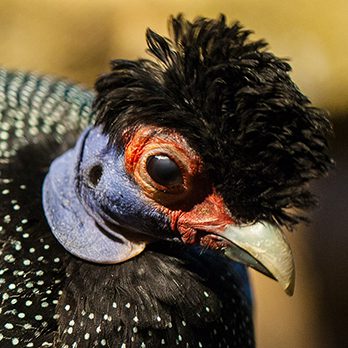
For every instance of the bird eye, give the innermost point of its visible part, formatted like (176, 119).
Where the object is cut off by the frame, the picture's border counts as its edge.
(164, 171)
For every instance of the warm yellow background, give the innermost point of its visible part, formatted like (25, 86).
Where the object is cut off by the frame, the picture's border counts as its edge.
(77, 38)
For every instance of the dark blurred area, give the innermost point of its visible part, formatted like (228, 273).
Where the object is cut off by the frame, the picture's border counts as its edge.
(77, 39)
(329, 240)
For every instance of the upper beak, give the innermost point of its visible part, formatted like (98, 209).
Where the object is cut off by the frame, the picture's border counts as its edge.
(263, 247)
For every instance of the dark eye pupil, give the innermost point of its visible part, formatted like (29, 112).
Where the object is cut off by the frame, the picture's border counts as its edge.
(163, 170)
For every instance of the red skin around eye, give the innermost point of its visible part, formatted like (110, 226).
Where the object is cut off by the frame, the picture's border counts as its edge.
(196, 211)
(149, 137)
(151, 140)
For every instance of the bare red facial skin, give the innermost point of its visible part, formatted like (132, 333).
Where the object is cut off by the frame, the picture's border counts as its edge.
(203, 222)
(196, 211)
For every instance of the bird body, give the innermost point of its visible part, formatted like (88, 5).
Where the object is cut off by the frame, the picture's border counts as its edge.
(142, 301)
(128, 214)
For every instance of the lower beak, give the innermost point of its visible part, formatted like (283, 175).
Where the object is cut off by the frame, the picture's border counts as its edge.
(263, 247)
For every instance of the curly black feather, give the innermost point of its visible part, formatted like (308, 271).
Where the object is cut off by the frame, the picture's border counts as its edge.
(259, 136)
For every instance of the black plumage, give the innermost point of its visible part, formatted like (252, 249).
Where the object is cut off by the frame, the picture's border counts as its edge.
(259, 138)
(235, 103)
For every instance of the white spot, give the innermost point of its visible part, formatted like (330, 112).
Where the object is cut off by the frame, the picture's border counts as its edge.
(8, 326)
(26, 262)
(127, 305)
(114, 305)
(67, 307)
(70, 330)
(158, 318)
(103, 342)
(87, 335)
(15, 341)
(98, 329)
(71, 322)
(18, 246)
(12, 286)
(136, 319)
(135, 329)
(206, 294)
(38, 317)
(21, 315)
(28, 303)
(9, 258)
(91, 316)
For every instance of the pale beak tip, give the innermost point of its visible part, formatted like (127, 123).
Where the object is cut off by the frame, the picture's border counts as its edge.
(290, 286)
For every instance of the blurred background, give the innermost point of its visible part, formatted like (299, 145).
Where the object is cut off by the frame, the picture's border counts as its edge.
(77, 39)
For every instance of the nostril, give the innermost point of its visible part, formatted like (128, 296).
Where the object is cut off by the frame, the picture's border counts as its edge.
(95, 174)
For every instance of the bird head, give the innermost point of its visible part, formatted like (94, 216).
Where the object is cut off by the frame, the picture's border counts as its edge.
(209, 143)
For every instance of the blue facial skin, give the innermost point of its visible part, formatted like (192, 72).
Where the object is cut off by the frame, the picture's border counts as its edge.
(116, 198)
(93, 212)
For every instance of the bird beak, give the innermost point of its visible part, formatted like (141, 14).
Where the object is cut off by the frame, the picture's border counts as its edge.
(263, 247)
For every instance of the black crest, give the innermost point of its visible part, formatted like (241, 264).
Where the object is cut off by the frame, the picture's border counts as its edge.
(259, 136)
